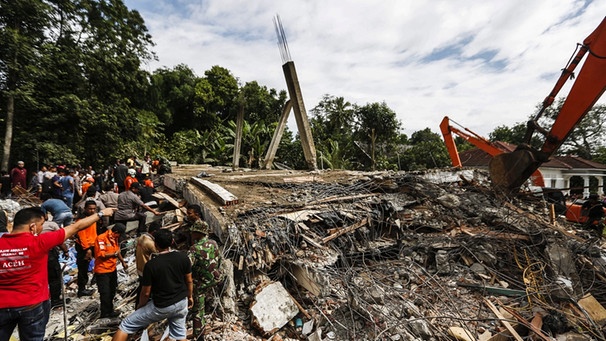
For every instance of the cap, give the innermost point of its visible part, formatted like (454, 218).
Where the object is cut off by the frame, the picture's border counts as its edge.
(119, 228)
(132, 171)
(199, 226)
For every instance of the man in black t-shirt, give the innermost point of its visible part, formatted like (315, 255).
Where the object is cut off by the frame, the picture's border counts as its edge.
(167, 280)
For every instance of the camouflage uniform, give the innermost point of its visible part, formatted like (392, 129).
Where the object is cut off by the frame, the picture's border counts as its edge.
(205, 259)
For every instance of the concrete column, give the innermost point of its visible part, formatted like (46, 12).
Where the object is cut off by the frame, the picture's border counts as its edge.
(275, 141)
(600, 185)
(296, 96)
(238, 141)
(586, 185)
(566, 185)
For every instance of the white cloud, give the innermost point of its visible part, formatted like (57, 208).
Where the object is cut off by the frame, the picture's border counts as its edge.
(373, 51)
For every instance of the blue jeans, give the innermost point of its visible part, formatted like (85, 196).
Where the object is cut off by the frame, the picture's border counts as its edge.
(144, 316)
(30, 320)
(64, 219)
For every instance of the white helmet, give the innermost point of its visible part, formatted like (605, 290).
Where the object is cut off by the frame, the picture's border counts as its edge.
(132, 172)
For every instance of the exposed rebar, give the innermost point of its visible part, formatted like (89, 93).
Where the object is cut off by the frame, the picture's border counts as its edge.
(282, 43)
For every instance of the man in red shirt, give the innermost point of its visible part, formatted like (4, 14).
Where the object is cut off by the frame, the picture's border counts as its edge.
(24, 293)
(19, 175)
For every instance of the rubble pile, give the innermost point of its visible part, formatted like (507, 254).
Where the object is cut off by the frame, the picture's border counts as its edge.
(415, 256)
(434, 255)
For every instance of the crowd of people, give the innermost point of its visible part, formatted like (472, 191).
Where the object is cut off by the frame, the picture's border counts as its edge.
(71, 183)
(173, 275)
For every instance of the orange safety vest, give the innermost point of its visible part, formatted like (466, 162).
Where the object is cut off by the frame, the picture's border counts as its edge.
(88, 236)
(106, 244)
(129, 181)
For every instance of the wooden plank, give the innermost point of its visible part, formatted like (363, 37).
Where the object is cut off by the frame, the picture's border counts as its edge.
(345, 230)
(312, 242)
(503, 320)
(461, 334)
(537, 322)
(168, 198)
(338, 198)
(594, 309)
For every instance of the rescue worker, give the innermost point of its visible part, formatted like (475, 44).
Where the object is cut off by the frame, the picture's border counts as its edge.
(130, 179)
(182, 233)
(205, 257)
(85, 247)
(129, 205)
(107, 254)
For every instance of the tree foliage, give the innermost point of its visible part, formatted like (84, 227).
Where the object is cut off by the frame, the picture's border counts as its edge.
(71, 77)
(427, 150)
(586, 136)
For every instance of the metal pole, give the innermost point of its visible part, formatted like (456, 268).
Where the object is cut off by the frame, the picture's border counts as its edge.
(64, 305)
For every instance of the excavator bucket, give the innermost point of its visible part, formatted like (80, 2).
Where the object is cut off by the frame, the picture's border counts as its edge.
(509, 171)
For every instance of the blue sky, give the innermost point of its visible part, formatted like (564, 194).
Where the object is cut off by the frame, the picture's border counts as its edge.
(482, 63)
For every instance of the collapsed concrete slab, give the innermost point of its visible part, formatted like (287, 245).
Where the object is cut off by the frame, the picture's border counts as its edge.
(272, 308)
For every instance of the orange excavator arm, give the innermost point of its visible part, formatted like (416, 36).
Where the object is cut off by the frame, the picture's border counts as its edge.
(475, 139)
(478, 141)
(510, 170)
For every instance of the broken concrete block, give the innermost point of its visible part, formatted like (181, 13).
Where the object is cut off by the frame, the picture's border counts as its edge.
(478, 268)
(449, 201)
(562, 262)
(228, 297)
(443, 265)
(307, 327)
(273, 308)
(310, 279)
(420, 328)
(316, 336)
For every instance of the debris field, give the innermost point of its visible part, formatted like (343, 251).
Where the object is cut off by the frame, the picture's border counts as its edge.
(339, 255)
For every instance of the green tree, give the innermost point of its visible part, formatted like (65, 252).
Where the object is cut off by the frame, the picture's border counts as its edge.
(514, 135)
(332, 126)
(334, 157)
(586, 136)
(261, 103)
(216, 98)
(337, 113)
(376, 131)
(92, 86)
(171, 97)
(22, 31)
(290, 151)
(427, 150)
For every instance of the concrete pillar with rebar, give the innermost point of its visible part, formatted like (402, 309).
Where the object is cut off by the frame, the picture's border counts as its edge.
(296, 100)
